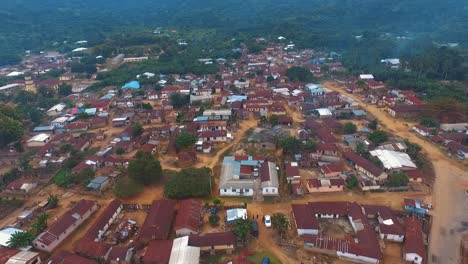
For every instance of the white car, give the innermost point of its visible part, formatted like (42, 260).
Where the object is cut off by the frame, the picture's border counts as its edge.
(267, 221)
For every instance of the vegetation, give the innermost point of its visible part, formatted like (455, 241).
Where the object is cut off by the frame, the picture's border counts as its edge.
(64, 90)
(378, 137)
(429, 122)
(290, 145)
(188, 183)
(413, 151)
(120, 151)
(280, 223)
(350, 128)
(126, 187)
(179, 100)
(373, 124)
(214, 219)
(397, 179)
(137, 130)
(242, 229)
(40, 224)
(20, 239)
(52, 201)
(299, 74)
(185, 140)
(446, 110)
(11, 125)
(145, 169)
(65, 178)
(352, 183)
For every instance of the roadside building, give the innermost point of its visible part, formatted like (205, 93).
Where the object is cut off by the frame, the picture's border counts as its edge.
(158, 222)
(188, 218)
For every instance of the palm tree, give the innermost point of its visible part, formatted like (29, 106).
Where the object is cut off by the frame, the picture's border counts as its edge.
(280, 223)
(40, 224)
(53, 200)
(20, 239)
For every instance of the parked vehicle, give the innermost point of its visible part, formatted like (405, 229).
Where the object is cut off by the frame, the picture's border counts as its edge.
(267, 220)
(254, 230)
(266, 260)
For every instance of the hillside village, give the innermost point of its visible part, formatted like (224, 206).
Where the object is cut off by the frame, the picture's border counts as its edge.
(251, 141)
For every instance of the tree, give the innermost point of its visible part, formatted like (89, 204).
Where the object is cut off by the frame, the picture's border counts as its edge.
(11, 127)
(325, 68)
(429, 122)
(189, 183)
(84, 176)
(273, 119)
(53, 201)
(20, 239)
(373, 124)
(63, 178)
(126, 187)
(352, 183)
(242, 228)
(45, 91)
(350, 128)
(40, 224)
(213, 219)
(137, 130)
(145, 169)
(120, 151)
(361, 149)
(309, 146)
(270, 79)
(280, 223)
(378, 137)
(185, 140)
(179, 100)
(299, 74)
(397, 179)
(290, 145)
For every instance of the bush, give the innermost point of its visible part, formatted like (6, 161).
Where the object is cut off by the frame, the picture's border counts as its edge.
(350, 128)
(126, 187)
(214, 219)
(188, 183)
(397, 179)
(185, 140)
(378, 137)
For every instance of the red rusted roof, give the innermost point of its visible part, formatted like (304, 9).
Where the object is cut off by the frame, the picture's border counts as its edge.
(158, 222)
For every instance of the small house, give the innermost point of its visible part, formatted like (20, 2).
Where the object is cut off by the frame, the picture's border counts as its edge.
(99, 184)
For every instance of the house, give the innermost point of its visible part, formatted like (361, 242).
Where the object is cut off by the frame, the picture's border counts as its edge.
(23, 257)
(365, 166)
(120, 254)
(43, 129)
(315, 89)
(65, 225)
(64, 257)
(415, 206)
(214, 136)
(393, 160)
(98, 122)
(183, 252)
(7, 233)
(153, 95)
(217, 114)
(21, 186)
(285, 120)
(414, 175)
(414, 250)
(325, 185)
(157, 252)
(423, 130)
(366, 77)
(457, 127)
(133, 85)
(328, 149)
(77, 127)
(212, 125)
(234, 183)
(292, 171)
(56, 109)
(158, 222)
(100, 183)
(38, 140)
(331, 170)
(60, 122)
(269, 179)
(120, 121)
(405, 111)
(214, 243)
(188, 218)
(461, 151)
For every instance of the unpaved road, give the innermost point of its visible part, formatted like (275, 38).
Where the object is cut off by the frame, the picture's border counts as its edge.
(450, 202)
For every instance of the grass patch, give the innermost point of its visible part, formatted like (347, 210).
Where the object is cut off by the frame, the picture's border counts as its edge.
(258, 257)
(211, 259)
(239, 200)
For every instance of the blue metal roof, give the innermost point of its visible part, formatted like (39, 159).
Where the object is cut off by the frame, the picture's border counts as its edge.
(131, 85)
(43, 128)
(108, 96)
(359, 112)
(201, 119)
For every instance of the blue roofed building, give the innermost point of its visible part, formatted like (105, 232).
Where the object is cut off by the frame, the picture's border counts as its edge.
(416, 206)
(359, 113)
(135, 85)
(99, 184)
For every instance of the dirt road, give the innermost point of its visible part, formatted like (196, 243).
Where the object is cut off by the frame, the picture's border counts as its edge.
(450, 202)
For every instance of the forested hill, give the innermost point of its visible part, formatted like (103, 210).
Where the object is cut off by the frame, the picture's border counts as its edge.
(32, 24)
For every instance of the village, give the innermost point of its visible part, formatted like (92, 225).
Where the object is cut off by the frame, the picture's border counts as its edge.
(338, 170)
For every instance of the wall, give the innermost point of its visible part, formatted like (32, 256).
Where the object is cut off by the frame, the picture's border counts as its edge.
(230, 192)
(270, 191)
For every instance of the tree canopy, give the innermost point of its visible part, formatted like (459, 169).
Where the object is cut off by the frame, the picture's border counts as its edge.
(378, 137)
(397, 179)
(290, 145)
(20, 239)
(179, 100)
(299, 74)
(350, 128)
(145, 169)
(188, 183)
(11, 126)
(280, 223)
(242, 228)
(185, 140)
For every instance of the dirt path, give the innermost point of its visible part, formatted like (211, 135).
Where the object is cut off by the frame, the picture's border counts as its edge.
(449, 200)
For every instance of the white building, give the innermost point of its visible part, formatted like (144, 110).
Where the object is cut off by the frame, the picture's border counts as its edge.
(181, 252)
(393, 160)
(38, 140)
(269, 178)
(56, 109)
(366, 77)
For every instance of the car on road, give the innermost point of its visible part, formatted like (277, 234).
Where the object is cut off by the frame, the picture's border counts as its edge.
(267, 220)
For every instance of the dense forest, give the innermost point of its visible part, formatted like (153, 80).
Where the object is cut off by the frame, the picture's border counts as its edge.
(35, 25)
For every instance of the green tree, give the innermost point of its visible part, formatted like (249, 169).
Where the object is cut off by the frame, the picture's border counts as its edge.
(325, 68)
(188, 183)
(290, 145)
(280, 222)
(242, 229)
(429, 122)
(137, 130)
(120, 151)
(63, 178)
(270, 79)
(185, 140)
(350, 128)
(126, 187)
(145, 169)
(309, 146)
(361, 149)
(352, 183)
(273, 120)
(20, 239)
(52, 201)
(397, 179)
(84, 176)
(40, 224)
(179, 100)
(378, 137)
(11, 127)
(45, 91)
(214, 219)
(299, 74)
(373, 124)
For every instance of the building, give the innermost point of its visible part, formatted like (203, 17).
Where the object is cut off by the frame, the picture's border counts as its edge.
(157, 252)
(183, 252)
(56, 109)
(158, 222)
(423, 130)
(394, 160)
(65, 225)
(292, 171)
(64, 257)
(29, 84)
(100, 183)
(214, 243)
(414, 250)
(24, 257)
(214, 136)
(269, 179)
(415, 206)
(331, 170)
(188, 218)
(325, 185)
(5, 235)
(365, 167)
(217, 114)
(405, 111)
(38, 140)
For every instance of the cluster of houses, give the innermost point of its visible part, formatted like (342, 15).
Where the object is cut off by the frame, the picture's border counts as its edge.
(362, 246)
